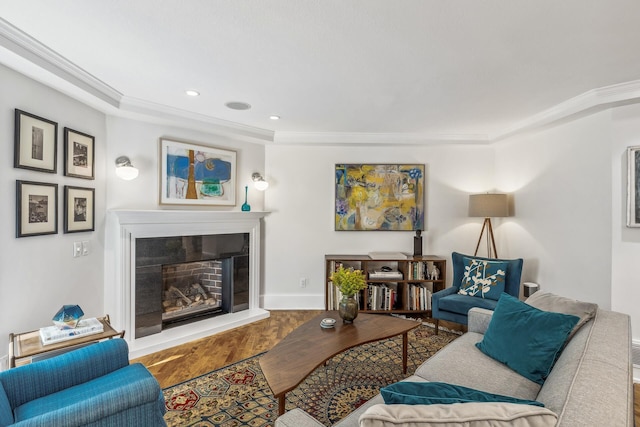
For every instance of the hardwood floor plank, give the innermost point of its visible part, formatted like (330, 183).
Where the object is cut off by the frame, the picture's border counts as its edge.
(183, 362)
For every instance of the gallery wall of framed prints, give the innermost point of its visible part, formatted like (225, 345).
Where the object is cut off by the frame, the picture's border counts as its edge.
(36, 149)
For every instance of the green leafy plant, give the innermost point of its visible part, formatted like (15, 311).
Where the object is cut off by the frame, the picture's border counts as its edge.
(348, 280)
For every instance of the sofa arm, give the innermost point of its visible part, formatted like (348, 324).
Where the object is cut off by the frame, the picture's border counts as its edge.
(297, 418)
(479, 319)
(26, 383)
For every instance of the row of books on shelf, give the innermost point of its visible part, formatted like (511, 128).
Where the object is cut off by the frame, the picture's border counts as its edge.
(53, 334)
(382, 296)
(419, 297)
(423, 270)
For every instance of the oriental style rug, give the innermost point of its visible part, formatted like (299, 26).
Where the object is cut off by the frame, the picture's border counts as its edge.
(238, 395)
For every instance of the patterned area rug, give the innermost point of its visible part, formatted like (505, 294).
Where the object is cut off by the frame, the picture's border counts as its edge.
(238, 395)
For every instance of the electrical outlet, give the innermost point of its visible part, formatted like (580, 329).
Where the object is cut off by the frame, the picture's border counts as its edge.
(77, 249)
(303, 282)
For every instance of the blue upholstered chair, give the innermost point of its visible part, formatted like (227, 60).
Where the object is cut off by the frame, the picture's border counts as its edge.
(448, 304)
(93, 385)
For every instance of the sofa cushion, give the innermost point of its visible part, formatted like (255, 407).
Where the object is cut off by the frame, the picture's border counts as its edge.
(549, 302)
(483, 278)
(526, 339)
(474, 414)
(430, 393)
(460, 362)
(461, 304)
(83, 404)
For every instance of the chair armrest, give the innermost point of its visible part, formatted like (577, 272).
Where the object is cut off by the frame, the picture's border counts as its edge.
(26, 383)
(297, 418)
(479, 319)
(435, 300)
(443, 293)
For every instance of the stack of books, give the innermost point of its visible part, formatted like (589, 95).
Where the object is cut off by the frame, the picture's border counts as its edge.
(53, 334)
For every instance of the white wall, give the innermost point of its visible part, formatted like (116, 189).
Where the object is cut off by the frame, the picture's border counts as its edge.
(300, 229)
(38, 273)
(561, 180)
(625, 253)
(140, 141)
(568, 181)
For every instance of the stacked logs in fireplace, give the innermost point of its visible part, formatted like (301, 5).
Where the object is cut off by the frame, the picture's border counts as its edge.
(191, 288)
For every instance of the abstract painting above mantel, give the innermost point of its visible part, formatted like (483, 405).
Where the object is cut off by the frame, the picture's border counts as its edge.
(196, 175)
(379, 197)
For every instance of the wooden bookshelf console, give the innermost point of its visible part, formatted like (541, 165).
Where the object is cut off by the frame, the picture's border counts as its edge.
(408, 293)
(24, 347)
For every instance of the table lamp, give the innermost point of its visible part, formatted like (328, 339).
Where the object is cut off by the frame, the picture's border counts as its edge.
(488, 206)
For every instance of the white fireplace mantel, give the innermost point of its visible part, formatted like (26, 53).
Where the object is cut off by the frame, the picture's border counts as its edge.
(125, 226)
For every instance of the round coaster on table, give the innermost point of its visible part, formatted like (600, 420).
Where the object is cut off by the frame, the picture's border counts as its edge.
(328, 322)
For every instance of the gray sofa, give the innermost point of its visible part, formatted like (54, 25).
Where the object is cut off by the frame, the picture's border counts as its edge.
(591, 384)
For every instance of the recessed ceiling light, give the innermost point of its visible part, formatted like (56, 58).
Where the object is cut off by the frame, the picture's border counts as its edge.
(192, 92)
(235, 105)
(274, 117)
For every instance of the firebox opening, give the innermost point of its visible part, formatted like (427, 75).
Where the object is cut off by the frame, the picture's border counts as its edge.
(191, 289)
(183, 279)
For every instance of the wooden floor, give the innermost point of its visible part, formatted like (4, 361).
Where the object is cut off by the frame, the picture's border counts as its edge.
(180, 363)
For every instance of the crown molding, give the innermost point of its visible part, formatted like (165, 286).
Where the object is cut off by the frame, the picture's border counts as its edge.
(586, 103)
(32, 58)
(165, 114)
(27, 55)
(25, 46)
(360, 138)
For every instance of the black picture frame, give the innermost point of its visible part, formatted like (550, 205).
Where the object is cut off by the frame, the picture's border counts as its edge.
(79, 154)
(36, 208)
(35, 143)
(79, 209)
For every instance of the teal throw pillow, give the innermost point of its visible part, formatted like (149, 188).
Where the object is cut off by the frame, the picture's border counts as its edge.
(431, 393)
(483, 278)
(526, 339)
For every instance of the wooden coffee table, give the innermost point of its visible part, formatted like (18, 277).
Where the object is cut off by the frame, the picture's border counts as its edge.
(290, 361)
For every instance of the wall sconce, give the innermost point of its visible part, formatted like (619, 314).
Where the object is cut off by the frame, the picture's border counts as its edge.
(125, 170)
(259, 182)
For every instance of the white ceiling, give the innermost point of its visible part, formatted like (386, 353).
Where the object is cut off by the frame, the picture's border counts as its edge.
(347, 69)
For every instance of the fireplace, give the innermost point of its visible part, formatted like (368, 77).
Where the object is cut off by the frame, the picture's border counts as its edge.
(181, 275)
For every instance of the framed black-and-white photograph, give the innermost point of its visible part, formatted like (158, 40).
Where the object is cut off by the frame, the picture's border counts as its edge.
(633, 186)
(79, 154)
(36, 142)
(79, 209)
(36, 208)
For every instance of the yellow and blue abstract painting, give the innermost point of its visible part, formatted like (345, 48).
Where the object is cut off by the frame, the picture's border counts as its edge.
(380, 197)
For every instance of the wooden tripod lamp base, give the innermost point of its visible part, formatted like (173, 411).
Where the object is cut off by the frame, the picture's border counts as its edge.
(491, 242)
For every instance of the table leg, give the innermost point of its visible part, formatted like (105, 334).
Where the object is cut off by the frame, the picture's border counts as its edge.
(405, 346)
(281, 403)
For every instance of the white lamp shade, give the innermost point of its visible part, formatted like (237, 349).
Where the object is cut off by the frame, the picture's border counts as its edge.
(127, 172)
(261, 185)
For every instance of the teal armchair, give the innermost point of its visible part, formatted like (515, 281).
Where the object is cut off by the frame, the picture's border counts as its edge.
(90, 386)
(449, 305)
